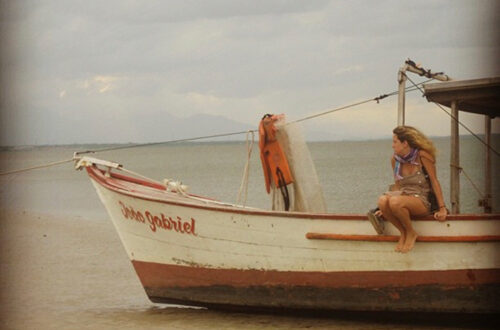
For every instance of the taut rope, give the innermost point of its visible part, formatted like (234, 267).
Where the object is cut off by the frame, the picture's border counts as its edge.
(244, 181)
(376, 99)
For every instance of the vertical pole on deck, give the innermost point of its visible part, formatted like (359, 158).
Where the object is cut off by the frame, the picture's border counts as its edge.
(454, 161)
(401, 95)
(487, 183)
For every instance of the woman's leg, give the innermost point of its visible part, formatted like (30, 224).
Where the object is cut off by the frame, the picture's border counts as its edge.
(383, 205)
(402, 208)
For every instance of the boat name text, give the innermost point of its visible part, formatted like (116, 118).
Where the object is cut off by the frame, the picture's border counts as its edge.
(159, 222)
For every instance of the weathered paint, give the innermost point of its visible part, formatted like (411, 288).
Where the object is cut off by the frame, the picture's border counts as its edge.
(247, 257)
(161, 275)
(443, 291)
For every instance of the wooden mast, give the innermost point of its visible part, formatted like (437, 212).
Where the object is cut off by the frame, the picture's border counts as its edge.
(401, 94)
(454, 161)
(487, 201)
(412, 67)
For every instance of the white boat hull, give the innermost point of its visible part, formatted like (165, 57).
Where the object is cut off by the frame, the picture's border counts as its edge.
(197, 252)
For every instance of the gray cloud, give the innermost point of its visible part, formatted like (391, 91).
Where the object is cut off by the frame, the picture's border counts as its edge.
(112, 66)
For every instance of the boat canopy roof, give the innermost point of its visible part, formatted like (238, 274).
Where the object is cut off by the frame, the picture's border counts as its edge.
(481, 96)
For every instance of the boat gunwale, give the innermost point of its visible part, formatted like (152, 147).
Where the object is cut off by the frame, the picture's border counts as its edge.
(394, 238)
(98, 175)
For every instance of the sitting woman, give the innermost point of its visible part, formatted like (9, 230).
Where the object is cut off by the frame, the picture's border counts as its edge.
(414, 154)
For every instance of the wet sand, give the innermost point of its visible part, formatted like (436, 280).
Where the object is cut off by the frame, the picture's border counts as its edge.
(73, 273)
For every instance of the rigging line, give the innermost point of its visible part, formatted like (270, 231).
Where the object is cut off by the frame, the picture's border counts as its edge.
(164, 142)
(470, 180)
(455, 119)
(37, 167)
(378, 98)
(408, 89)
(330, 111)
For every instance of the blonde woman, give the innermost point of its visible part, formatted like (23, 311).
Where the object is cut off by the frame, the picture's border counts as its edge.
(414, 156)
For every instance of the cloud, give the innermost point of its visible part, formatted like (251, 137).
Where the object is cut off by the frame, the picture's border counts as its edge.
(100, 84)
(237, 59)
(105, 83)
(349, 69)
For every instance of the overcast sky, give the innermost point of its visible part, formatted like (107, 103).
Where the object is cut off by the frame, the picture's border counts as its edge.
(140, 71)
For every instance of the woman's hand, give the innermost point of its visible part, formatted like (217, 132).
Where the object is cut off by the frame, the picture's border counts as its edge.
(441, 214)
(378, 213)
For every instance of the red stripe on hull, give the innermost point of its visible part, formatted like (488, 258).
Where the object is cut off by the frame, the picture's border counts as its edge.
(451, 291)
(158, 275)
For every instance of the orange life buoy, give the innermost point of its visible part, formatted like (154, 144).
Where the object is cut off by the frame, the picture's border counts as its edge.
(274, 162)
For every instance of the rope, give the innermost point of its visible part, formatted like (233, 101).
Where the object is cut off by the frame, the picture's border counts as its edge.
(163, 142)
(330, 111)
(458, 121)
(377, 99)
(461, 170)
(244, 180)
(37, 167)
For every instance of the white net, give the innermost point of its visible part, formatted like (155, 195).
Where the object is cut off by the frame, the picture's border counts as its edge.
(305, 192)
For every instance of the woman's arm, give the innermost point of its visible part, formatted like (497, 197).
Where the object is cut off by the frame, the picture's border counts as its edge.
(428, 163)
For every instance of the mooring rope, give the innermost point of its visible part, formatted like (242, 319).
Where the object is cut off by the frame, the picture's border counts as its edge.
(243, 192)
(376, 99)
(149, 144)
(38, 166)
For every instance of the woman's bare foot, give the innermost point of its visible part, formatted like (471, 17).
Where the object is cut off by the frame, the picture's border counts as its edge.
(401, 242)
(411, 237)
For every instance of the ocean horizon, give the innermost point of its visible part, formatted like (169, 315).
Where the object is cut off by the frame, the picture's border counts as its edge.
(495, 136)
(352, 173)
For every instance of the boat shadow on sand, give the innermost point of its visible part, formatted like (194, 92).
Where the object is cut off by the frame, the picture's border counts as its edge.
(287, 319)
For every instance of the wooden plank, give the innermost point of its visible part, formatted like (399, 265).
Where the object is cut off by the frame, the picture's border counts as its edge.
(461, 85)
(393, 238)
(476, 95)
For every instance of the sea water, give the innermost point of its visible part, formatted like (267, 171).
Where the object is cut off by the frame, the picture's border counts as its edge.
(352, 173)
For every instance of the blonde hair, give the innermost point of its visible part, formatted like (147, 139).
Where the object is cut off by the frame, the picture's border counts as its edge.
(415, 139)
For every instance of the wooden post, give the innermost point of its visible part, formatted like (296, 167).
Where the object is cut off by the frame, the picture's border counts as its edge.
(455, 161)
(487, 183)
(401, 95)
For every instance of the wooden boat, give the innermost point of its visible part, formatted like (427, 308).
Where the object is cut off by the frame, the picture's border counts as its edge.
(196, 251)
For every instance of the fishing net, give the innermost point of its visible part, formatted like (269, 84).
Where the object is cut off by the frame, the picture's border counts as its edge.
(305, 192)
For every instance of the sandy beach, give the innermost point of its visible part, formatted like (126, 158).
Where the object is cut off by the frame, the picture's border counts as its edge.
(56, 269)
